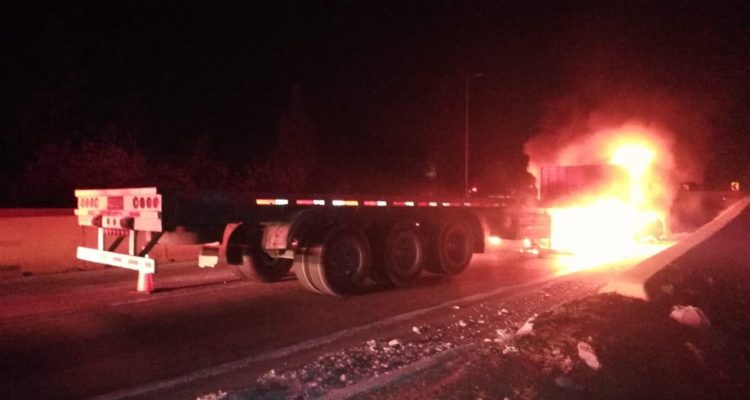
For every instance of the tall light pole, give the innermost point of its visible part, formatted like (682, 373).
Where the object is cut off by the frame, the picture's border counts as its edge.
(466, 133)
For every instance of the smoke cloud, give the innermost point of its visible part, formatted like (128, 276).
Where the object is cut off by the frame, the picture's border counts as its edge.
(625, 69)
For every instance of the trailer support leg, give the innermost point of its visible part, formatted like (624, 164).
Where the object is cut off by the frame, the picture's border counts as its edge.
(145, 282)
(100, 238)
(145, 279)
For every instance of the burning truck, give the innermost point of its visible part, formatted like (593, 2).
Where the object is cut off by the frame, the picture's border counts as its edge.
(612, 208)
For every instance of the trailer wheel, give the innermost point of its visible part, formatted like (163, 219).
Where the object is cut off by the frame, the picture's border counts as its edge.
(453, 248)
(247, 259)
(260, 267)
(338, 266)
(401, 257)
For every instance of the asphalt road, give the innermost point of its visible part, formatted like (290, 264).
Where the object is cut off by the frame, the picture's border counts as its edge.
(88, 334)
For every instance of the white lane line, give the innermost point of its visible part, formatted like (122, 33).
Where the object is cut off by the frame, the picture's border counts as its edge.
(312, 343)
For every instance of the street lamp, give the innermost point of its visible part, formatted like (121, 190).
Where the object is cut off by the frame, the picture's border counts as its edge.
(466, 133)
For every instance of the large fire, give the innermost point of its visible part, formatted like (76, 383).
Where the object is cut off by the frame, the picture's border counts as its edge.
(623, 218)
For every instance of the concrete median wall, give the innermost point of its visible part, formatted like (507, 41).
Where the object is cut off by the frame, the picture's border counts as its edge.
(633, 281)
(44, 241)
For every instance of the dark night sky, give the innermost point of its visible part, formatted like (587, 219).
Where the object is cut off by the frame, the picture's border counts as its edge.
(382, 81)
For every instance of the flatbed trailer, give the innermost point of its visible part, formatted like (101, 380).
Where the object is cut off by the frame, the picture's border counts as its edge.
(337, 245)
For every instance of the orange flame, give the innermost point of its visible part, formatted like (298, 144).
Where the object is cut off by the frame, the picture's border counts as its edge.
(619, 220)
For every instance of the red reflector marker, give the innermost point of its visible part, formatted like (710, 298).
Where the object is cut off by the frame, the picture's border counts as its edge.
(135, 202)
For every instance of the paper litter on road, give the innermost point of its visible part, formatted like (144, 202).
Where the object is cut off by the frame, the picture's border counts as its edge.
(586, 352)
(689, 316)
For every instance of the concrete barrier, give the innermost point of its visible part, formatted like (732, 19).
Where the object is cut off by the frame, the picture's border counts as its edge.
(34, 241)
(632, 281)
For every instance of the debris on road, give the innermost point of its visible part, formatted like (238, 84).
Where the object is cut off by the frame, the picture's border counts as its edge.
(492, 326)
(580, 345)
(213, 396)
(586, 353)
(527, 328)
(689, 316)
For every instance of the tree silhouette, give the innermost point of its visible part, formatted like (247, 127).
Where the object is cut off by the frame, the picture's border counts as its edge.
(292, 164)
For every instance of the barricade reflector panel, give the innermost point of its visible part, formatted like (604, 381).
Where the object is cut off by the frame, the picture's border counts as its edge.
(141, 264)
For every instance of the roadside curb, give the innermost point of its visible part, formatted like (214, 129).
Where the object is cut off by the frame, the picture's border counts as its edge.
(632, 282)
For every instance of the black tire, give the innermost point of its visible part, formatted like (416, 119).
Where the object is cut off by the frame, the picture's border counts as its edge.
(400, 257)
(302, 258)
(339, 266)
(249, 261)
(453, 247)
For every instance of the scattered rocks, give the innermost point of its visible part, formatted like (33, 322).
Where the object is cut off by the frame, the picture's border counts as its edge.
(492, 326)
(346, 367)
